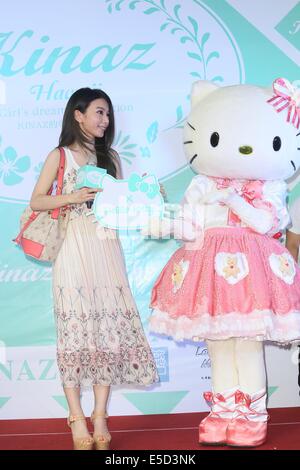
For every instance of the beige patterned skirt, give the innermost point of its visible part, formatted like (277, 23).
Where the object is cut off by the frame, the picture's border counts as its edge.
(100, 338)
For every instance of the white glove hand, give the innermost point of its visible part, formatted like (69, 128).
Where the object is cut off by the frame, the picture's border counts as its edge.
(172, 210)
(161, 228)
(219, 195)
(157, 227)
(184, 230)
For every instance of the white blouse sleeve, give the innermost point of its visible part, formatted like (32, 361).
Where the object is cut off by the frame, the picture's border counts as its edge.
(199, 186)
(192, 207)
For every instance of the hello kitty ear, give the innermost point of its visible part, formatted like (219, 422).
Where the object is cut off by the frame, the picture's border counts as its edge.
(201, 89)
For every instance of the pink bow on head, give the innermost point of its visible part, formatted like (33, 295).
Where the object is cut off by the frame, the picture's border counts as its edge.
(286, 96)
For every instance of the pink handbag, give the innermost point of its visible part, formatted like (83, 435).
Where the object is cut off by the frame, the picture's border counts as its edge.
(43, 232)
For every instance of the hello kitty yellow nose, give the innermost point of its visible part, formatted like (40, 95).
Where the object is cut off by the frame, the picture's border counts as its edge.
(245, 149)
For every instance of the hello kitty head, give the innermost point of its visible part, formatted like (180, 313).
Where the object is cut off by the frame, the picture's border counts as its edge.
(239, 132)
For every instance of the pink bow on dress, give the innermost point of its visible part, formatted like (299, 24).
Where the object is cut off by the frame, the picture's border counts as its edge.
(249, 190)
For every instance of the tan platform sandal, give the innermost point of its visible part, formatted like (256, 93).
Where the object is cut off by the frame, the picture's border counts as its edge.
(80, 443)
(102, 441)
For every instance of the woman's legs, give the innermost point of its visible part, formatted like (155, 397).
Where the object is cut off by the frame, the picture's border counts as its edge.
(79, 428)
(101, 394)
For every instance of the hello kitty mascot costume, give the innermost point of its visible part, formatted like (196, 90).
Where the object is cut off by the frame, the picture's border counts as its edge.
(233, 283)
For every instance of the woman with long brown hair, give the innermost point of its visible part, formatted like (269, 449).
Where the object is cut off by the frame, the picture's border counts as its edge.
(100, 339)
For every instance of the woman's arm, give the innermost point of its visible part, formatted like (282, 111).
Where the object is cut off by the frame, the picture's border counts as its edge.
(292, 244)
(40, 201)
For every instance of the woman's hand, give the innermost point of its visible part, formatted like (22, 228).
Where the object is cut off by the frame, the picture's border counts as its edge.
(83, 195)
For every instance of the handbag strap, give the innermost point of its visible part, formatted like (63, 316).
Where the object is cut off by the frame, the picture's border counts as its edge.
(61, 169)
(60, 178)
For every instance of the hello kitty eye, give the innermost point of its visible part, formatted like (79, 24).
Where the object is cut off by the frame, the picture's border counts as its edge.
(276, 143)
(214, 139)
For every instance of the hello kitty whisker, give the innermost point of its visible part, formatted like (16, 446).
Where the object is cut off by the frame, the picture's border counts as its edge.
(193, 158)
(294, 166)
(188, 142)
(191, 126)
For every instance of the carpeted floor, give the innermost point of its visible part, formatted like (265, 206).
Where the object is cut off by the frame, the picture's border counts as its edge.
(153, 432)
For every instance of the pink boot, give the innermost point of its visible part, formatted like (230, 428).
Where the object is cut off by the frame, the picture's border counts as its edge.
(248, 427)
(212, 429)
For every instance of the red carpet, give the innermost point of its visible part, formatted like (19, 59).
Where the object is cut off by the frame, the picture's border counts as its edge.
(153, 432)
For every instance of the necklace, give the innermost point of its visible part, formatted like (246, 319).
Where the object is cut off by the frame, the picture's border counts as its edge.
(90, 158)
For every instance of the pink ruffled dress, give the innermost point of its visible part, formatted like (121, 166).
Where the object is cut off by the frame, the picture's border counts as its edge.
(239, 283)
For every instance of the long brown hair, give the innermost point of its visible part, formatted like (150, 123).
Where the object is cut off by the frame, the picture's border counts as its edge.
(71, 131)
